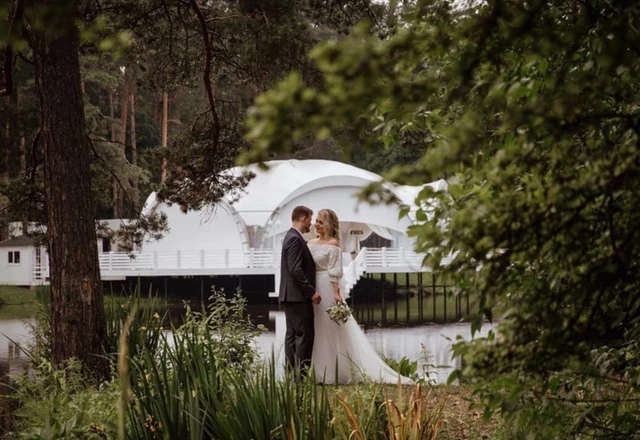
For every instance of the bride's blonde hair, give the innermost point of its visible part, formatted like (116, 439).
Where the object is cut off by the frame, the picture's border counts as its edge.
(331, 224)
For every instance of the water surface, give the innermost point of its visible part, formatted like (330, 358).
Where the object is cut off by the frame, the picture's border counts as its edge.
(428, 343)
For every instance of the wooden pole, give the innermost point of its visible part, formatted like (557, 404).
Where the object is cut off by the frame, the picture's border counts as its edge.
(433, 294)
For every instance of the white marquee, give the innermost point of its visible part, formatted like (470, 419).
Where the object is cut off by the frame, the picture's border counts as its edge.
(261, 216)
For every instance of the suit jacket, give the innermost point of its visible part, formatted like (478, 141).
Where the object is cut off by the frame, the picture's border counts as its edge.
(297, 269)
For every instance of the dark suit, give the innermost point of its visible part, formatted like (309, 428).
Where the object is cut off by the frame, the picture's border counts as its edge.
(297, 286)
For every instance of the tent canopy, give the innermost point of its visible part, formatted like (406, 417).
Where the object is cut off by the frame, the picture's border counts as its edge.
(263, 209)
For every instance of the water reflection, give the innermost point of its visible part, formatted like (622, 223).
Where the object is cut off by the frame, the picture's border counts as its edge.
(429, 344)
(14, 337)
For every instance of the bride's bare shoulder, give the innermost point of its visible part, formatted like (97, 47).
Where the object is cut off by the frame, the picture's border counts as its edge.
(313, 241)
(334, 242)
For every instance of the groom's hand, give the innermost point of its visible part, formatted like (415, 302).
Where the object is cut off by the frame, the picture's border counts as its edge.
(316, 298)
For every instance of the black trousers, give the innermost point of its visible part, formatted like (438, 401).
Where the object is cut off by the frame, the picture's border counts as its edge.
(298, 340)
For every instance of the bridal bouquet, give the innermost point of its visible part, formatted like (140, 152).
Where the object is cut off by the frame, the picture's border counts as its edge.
(339, 312)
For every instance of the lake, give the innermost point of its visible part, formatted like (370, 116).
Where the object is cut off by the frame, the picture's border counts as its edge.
(429, 343)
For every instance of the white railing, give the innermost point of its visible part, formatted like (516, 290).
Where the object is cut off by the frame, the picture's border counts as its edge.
(355, 270)
(200, 260)
(40, 273)
(122, 263)
(187, 259)
(394, 257)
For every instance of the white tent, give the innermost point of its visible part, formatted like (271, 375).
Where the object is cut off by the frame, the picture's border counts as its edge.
(262, 214)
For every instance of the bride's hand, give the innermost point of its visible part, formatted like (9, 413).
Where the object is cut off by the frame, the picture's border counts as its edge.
(337, 297)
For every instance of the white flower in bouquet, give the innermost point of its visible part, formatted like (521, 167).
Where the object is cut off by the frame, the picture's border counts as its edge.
(339, 312)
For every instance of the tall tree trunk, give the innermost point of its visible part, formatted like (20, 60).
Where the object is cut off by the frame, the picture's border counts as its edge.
(112, 132)
(23, 142)
(5, 158)
(78, 328)
(112, 111)
(165, 135)
(118, 195)
(156, 110)
(5, 143)
(134, 150)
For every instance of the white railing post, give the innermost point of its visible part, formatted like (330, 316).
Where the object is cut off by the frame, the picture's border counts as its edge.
(226, 258)
(110, 261)
(178, 259)
(155, 259)
(251, 257)
(402, 256)
(202, 258)
(354, 270)
(384, 257)
(364, 259)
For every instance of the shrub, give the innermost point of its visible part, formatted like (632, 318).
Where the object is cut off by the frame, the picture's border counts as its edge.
(56, 403)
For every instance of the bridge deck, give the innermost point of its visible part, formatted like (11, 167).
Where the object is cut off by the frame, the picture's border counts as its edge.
(121, 265)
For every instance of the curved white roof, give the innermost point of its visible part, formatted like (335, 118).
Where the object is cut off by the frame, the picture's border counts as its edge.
(284, 180)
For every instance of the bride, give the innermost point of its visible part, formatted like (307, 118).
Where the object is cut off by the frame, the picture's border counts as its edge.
(341, 353)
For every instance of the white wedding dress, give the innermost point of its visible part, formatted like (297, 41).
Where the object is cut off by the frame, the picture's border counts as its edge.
(341, 352)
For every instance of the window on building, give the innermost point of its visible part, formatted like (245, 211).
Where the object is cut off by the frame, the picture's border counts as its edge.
(14, 257)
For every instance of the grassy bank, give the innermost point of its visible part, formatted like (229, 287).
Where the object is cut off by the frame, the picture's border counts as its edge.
(208, 382)
(248, 406)
(17, 302)
(16, 296)
(461, 420)
(25, 297)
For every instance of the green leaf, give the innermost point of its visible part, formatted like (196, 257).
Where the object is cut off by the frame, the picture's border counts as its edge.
(421, 216)
(403, 211)
(453, 376)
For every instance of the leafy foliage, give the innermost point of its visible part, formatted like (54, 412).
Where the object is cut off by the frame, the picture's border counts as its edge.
(203, 380)
(57, 403)
(404, 366)
(530, 110)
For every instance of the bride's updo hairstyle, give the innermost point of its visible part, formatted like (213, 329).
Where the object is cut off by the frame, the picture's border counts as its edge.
(331, 224)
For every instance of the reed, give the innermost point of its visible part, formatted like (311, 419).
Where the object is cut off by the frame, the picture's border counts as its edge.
(202, 382)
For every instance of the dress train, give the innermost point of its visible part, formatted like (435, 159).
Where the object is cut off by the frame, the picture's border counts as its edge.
(342, 354)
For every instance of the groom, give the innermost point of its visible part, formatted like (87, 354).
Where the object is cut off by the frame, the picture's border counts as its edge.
(298, 292)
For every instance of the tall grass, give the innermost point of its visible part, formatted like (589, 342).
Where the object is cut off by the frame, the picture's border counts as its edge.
(206, 384)
(202, 381)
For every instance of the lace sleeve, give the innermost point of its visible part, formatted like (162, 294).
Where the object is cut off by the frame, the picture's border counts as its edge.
(335, 264)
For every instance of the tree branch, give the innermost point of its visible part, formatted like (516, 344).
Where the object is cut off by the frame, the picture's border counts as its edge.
(206, 75)
(34, 157)
(109, 169)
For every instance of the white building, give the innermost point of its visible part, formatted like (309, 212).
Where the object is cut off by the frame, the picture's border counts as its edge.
(24, 263)
(261, 216)
(17, 257)
(244, 237)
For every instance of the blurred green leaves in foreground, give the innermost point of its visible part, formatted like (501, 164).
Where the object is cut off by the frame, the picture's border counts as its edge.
(530, 111)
